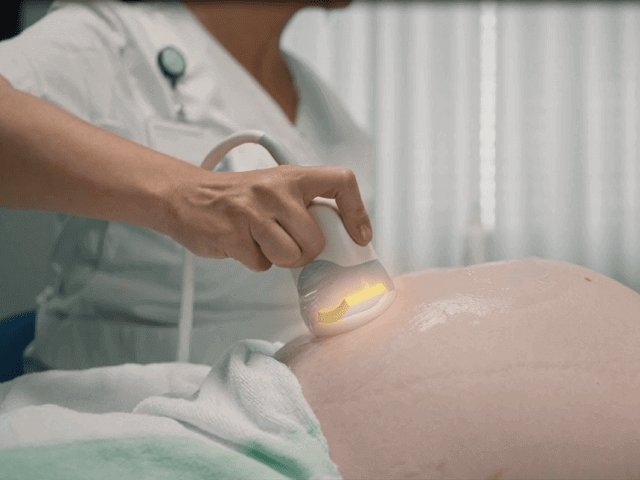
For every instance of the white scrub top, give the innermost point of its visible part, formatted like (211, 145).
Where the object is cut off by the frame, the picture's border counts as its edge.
(114, 289)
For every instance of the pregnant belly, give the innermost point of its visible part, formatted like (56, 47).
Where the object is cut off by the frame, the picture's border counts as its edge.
(517, 369)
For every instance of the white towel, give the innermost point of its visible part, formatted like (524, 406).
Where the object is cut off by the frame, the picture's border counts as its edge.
(254, 404)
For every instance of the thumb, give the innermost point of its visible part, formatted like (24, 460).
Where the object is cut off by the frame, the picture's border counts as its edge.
(341, 184)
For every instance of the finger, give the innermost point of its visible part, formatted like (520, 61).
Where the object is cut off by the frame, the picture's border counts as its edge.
(250, 254)
(275, 243)
(342, 185)
(303, 228)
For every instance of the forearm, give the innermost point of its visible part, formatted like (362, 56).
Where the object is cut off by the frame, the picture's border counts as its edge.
(53, 161)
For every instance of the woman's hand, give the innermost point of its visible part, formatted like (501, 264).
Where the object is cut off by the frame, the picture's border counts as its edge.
(53, 161)
(260, 217)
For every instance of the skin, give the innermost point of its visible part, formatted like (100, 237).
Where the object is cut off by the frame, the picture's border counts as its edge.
(53, 161)
(522, 369)
(251, 32)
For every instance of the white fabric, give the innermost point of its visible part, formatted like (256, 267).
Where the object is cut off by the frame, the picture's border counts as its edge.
(247, 400)
(248, 396)
(55, 406)
(410, 74)
(102, 389)
(114, 289)
(530, 111)
(568, 151)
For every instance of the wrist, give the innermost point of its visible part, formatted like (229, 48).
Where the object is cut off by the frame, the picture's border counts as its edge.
(162, 197)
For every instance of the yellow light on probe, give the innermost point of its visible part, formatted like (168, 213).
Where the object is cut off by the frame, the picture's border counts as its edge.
(332, 315)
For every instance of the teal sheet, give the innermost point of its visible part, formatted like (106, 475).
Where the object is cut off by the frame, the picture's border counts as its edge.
(153, 457)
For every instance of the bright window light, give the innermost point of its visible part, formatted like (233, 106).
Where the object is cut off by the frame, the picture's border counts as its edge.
(488, 74)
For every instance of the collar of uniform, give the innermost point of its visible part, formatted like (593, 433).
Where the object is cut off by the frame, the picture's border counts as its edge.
(243, 99)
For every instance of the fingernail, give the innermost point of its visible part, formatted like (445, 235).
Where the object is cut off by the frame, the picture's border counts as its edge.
(365, 233)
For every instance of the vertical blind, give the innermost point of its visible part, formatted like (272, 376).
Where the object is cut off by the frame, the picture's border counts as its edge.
(502, 130)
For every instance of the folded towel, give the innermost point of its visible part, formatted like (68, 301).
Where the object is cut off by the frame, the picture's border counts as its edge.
(254, 404)
(247, 419)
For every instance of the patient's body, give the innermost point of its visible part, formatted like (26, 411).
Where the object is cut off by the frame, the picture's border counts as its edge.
(508, 370)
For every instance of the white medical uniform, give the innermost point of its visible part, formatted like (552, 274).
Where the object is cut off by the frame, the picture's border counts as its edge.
(114, 293)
